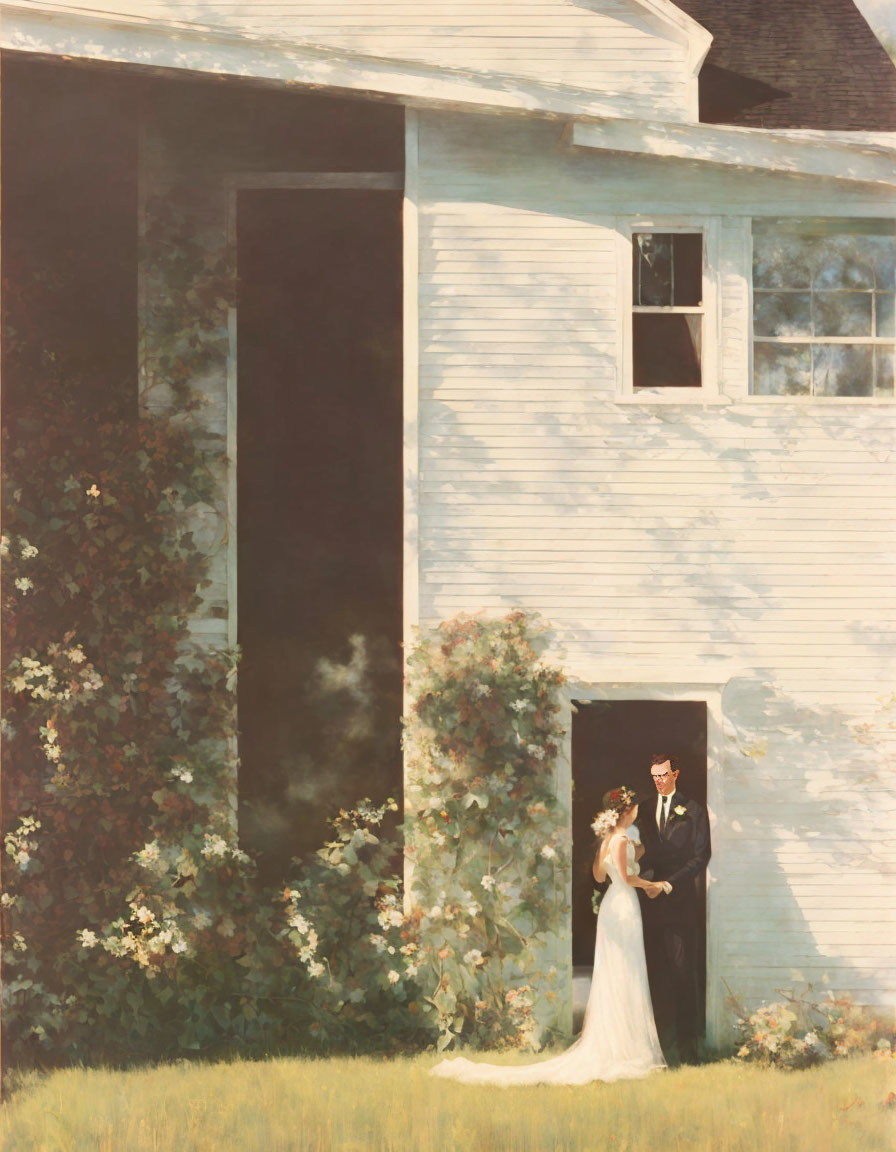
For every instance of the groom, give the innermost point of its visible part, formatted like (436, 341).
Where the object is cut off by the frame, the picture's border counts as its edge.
(675, 834)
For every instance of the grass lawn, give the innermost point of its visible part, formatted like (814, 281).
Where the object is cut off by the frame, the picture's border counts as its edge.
(367, 1105)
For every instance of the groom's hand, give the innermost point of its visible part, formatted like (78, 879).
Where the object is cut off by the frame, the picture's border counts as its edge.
(653, 890)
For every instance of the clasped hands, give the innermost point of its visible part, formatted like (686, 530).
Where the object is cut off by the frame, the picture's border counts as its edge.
(654, 888)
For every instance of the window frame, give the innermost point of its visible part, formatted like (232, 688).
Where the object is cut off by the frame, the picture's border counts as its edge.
(708, 391)
(790, 225)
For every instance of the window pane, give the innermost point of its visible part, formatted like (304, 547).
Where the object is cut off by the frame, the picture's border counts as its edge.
(781, 262)
(884, 324)
(652, 270)
(666, 350)
(687, 269)
(842, 370)
(883, 371)
(667, 269)
(843, 262)
(782, 314)
(883, 251)
(842, 313)
(781, 369)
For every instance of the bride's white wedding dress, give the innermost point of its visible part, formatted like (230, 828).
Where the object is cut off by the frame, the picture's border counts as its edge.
(618, 1040)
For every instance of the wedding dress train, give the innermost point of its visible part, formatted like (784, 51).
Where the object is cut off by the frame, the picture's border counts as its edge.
(619, 1039)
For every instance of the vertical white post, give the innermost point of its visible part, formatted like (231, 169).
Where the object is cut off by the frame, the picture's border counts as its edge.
(410, 360)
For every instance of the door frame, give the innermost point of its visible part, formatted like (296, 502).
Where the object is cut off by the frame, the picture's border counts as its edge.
(710, 694)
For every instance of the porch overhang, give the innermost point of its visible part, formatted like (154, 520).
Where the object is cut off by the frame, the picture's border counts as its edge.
(88, 34)
(857, 157)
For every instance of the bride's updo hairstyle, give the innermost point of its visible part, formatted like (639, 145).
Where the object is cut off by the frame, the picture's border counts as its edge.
(615, 802)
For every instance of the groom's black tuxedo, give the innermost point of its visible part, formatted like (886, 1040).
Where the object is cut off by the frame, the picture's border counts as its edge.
(679, 854)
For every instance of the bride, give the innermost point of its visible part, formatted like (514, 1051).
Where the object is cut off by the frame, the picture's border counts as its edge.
(619, 1039)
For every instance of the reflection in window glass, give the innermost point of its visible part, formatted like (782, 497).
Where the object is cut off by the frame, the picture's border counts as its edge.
(842, 370)
(782, 369)
(782, 314)
(823, 307)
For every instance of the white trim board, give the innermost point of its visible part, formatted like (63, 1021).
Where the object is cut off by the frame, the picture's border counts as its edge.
(867, 158)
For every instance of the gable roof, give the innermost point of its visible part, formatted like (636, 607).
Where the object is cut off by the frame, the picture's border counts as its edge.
(794, 64)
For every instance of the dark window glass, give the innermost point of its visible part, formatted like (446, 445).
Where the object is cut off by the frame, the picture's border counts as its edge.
(666, 349)
(667, 269)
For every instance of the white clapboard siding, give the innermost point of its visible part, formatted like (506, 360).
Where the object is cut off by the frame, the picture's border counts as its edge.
(612, 47)
(747, 544)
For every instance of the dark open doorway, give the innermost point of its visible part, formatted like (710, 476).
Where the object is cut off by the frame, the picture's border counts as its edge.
(319, 511)
(612, 744)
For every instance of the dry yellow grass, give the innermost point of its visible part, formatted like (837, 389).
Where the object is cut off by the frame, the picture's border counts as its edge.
(369, 1105)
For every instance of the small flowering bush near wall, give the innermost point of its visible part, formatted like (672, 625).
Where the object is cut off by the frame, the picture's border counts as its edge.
(798, 1032)
(486, 835)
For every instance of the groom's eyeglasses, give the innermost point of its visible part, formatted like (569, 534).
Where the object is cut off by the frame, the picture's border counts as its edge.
(665, 776)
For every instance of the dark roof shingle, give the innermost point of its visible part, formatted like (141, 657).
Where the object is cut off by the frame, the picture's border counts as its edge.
(793, 64)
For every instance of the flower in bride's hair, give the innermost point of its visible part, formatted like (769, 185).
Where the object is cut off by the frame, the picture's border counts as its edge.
(604, 822)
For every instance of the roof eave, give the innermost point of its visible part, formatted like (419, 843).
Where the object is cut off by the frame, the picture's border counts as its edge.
(52, 30)
(868, 158)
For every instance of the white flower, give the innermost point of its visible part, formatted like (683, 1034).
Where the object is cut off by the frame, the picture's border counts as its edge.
(535, 750)
(22, 859)
(679, 810)
(179, 945)
(604, 822)
(87, 938)
(391, 918)
(9, 901)
(810, 1038)
(487, 882)
(28, 550)
(435, 913)
(473, 908)
(52, 751)
(474, 958)
(24, 585)
(143, 914)
(181, 773)
(482, 690)
(315, 968)
(4, 545)
(393, 976)
(214, 846)
(92, 491)
(76, 654)
(201, 919)
(519, 706)
(548, 852)
(299, 923)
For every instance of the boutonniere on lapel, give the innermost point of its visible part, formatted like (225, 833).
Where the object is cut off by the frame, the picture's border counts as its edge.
(679, 809)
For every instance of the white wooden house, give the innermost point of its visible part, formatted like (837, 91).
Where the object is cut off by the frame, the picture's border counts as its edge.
(648, 383)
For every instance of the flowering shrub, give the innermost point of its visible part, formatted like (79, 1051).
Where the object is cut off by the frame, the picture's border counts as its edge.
(799, 1032)
(486, 835)
(133, 925)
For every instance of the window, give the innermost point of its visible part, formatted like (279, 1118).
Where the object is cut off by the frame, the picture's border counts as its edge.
(667, 310)
(823, 307)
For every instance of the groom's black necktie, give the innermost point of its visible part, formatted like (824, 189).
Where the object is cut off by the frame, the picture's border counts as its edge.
(663, 816)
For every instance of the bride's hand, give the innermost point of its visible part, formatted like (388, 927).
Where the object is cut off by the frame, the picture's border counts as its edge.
(653, 889)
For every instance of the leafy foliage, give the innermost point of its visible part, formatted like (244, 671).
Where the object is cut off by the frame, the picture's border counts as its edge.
(485, 831)
(797, 1032)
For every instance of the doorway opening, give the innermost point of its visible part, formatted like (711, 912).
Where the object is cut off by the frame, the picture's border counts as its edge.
(612, 744)
(319, 511)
